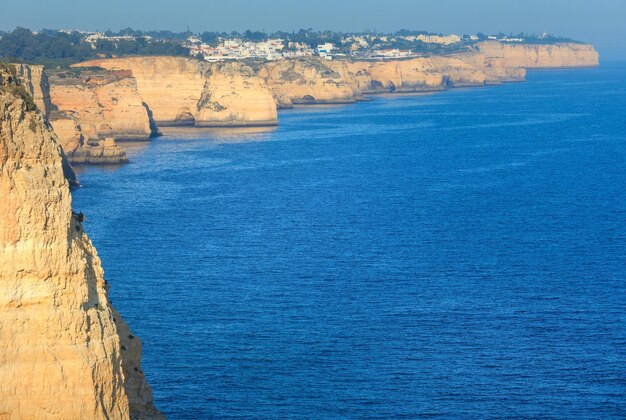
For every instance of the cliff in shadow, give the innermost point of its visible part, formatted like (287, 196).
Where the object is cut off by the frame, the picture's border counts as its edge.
(65, 353)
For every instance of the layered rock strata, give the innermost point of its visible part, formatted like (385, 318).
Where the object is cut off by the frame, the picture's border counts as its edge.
(318, 81)
(80, 150)
(314, 80)
(91, 105)
(35, 80)
(65, 353)
(542, 56)
(184, 91)
(308, 81)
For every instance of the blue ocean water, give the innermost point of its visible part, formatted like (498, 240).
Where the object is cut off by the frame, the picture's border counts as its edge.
(461, 254)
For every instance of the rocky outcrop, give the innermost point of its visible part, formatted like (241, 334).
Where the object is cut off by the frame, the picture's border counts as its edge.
(542, 56)
(93, 104)
(81, 150)
(234, 96)
(65, 353)
(419, 74)
(318, 81)
(184, 91)
(35, 80)
(308, 81)
(314, 80)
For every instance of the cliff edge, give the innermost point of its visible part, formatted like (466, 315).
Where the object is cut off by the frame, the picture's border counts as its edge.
(92, 105)
(64, 351)
(542, 55)
(185, 91)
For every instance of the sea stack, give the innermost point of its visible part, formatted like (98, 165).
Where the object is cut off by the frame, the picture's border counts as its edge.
(64, 351)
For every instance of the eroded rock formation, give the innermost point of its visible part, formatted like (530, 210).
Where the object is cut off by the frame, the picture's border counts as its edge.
(184, 91)
(64, 351)
(35, 80)
(91, 105)
(314, 80)
(307, 81)
(542, 56)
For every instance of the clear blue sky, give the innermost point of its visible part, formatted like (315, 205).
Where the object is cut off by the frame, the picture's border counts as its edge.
(601, 22)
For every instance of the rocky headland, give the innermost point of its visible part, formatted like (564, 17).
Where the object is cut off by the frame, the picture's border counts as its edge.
(546, 56)
(91, 105)
(185, 91)
(99, 102)
(317, 81)
(65, 353)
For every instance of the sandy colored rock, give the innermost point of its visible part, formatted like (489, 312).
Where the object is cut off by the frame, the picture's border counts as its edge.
(35, 79)
(182, 91)
(100, 153)
(234, 96)
(60, 345)
(185, 91)
(93, 104)
(307, 81)
(315, 80)
(319, 81)
(80, 150)
(68, 131)
(418, 74)
(107, 104)
(542, 56)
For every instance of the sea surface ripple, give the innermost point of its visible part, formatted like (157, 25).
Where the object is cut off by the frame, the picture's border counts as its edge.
(451, 255)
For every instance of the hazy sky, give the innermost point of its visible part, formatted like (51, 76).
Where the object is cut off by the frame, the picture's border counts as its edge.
(601, 22)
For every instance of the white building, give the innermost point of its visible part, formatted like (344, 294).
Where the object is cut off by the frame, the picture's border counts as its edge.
(393, 53)
(507, 39)
(325, 50)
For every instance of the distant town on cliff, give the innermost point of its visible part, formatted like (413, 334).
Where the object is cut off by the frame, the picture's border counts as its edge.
(67, 46)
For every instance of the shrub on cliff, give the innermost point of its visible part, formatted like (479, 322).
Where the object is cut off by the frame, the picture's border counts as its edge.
(10, 84)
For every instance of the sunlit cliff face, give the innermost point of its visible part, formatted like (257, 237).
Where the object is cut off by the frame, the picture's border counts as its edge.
(62, 349)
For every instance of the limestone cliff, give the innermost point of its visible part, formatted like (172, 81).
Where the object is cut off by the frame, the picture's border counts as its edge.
(318, 81)
(542, 56)
(307, 81)
(91, 105)
(35, 80)
(419, 74)
(62, 351)
(184, 91)
(80, 150)
(107, 104)
(314, 80)
(234, 96)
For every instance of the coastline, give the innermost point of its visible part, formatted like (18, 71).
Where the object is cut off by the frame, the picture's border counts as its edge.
(487, 169)
(364, 95)
(228, 91)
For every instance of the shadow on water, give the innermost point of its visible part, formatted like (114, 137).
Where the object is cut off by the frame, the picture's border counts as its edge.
(220, 134)
(135, 147)
(81, 169)
(457, 255)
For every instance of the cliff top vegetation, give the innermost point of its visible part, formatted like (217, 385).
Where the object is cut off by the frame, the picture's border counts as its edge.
(60, 48)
